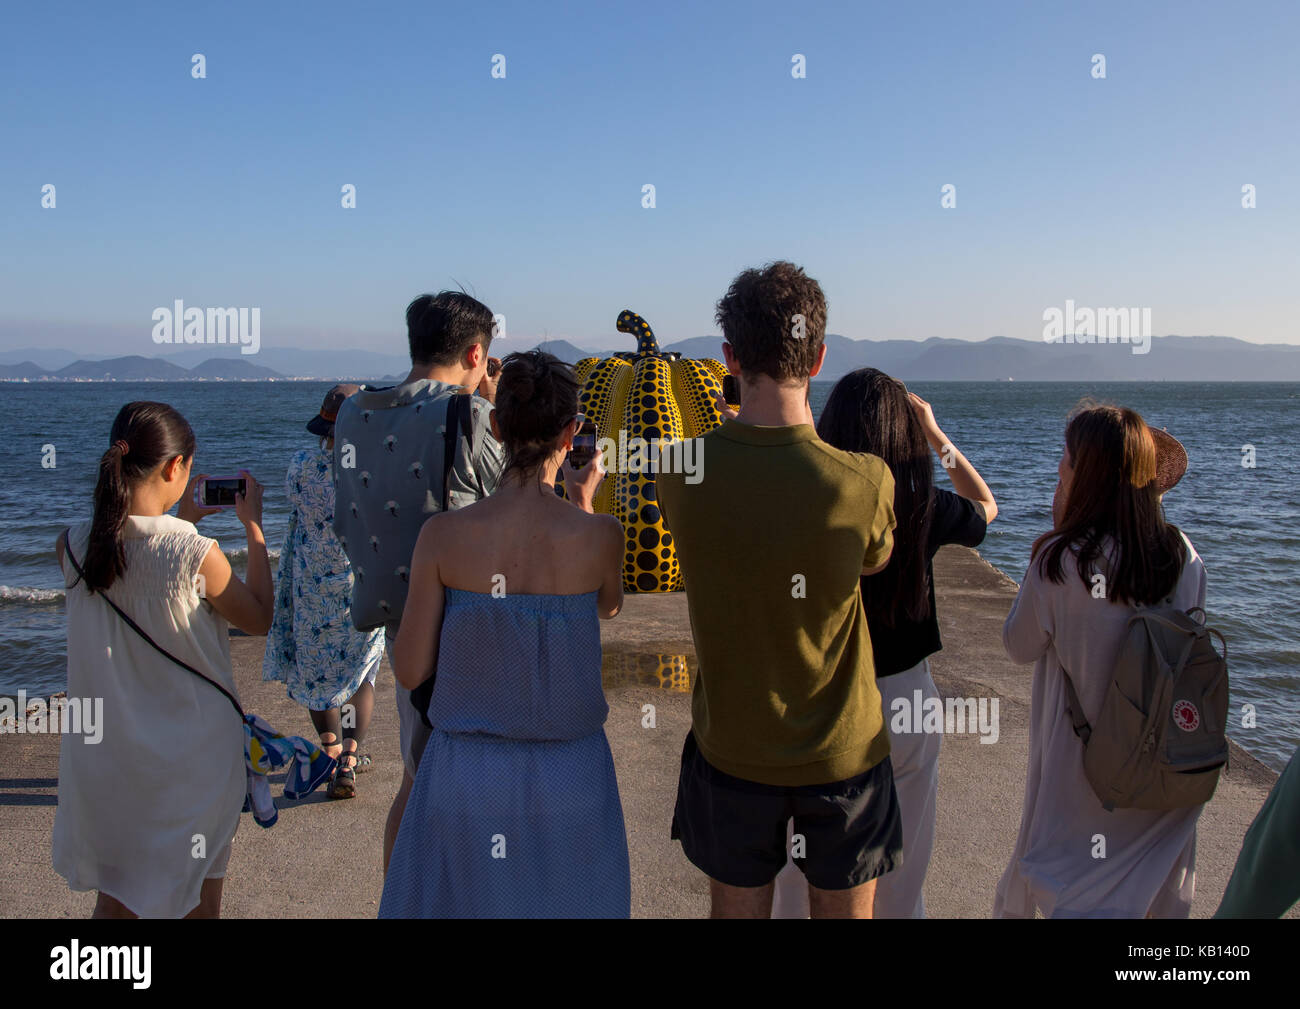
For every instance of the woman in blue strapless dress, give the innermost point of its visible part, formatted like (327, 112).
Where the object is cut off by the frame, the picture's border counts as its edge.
(515, 810)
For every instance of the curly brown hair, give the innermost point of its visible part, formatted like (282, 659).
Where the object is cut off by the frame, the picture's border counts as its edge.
(775, 320)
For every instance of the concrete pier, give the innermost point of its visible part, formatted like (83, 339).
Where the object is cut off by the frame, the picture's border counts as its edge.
(322, 859)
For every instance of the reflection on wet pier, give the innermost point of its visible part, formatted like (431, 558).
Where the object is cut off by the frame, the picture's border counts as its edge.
(623, 667)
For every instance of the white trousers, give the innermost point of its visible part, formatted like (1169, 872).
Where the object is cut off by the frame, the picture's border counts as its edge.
(915, 757)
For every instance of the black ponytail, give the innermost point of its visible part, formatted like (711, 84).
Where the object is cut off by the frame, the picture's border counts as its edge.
(144, 436)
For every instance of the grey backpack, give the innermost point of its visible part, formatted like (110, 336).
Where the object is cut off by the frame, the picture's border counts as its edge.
(1160, 740)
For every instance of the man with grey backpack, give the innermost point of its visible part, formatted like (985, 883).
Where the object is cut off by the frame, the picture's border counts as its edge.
(402, 454)
(1130, 690)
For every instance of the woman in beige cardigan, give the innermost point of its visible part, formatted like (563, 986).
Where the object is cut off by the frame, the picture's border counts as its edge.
(1073, 858)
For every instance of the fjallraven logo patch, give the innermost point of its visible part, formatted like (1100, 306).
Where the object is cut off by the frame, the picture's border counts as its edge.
(1186, 717)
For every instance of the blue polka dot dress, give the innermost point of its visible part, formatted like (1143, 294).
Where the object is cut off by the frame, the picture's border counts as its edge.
(515, 810)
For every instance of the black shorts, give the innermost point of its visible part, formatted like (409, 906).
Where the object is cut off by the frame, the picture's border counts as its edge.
(734, 830)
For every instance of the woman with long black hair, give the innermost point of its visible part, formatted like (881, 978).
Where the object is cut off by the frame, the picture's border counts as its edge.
(868, 411)
(146, 815)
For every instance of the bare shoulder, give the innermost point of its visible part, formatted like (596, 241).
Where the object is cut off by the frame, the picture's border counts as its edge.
(576, 524)
(605, 530)
(609, 526)
(460, 521)
(435, 522)
(213, 558)
(588, 523)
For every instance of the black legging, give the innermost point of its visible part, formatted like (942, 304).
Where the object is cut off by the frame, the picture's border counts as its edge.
(331, 719)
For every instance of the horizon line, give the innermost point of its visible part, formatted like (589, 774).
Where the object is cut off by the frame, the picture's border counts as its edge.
(219, 349)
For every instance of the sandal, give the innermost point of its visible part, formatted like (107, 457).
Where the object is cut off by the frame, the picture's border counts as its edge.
(344, 783)
(326, 747)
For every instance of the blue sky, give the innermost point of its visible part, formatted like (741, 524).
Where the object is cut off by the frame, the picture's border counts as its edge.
(527, 190)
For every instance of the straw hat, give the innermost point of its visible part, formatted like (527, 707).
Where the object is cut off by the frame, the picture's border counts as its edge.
(1171, 459)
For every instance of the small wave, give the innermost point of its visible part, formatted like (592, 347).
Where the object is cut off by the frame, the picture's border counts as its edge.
(273, 553)
(21, 595)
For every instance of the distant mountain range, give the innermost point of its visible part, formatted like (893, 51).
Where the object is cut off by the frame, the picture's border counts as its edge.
(999, 358)
(141, 369)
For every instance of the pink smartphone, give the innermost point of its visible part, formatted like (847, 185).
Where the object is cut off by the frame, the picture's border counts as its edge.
(220, 491)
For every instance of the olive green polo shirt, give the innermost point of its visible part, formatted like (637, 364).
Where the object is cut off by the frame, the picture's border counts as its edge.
(772, 539)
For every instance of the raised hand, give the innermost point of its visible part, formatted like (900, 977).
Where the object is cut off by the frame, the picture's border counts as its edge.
(188, 508)
(583, 483)
(729, 412)
(248, 506)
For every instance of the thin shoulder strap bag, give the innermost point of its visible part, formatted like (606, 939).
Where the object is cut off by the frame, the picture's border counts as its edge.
(67, 550)
(458, 419)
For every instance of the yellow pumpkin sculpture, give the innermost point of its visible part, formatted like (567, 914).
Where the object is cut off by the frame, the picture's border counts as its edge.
(658, 397)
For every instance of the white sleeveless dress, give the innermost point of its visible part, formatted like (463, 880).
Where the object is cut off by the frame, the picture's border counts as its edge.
(148, 813)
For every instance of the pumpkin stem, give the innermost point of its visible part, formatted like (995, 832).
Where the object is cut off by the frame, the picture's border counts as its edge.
(630, 322)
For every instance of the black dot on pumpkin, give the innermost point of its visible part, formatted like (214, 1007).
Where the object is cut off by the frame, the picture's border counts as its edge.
(650, 432)
(650, 417)
(649, 401)
(649, 538)
(668, 539)
(646, 582)
(649, 491)
(664, 553)
(646, 560)
(663, 566)
(649, 515)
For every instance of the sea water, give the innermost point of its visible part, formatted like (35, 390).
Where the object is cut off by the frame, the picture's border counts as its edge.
(1241, 518)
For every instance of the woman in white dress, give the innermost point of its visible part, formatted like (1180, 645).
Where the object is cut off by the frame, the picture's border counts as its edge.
(146, 816)
(1110, 550)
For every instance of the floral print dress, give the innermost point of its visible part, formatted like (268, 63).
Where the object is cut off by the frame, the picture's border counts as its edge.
(312, 645)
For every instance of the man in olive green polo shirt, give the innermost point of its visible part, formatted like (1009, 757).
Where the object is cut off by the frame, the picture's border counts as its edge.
(772, 541)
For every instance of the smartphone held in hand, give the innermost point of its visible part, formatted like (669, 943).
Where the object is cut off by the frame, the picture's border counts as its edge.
(584, 445)
(220, 492)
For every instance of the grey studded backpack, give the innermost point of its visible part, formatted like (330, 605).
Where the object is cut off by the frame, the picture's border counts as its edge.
(1160, 740)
